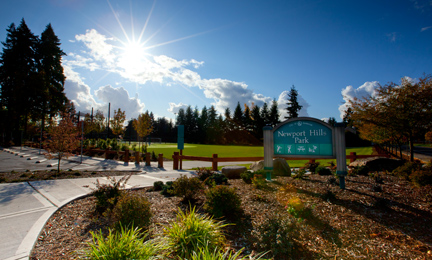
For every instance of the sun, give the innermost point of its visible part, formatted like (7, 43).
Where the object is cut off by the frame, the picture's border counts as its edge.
(133, 56)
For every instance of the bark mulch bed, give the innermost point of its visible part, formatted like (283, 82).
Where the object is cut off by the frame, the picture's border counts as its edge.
(367, 220)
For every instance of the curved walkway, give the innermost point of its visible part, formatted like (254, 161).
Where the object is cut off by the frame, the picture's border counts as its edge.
(26, 206)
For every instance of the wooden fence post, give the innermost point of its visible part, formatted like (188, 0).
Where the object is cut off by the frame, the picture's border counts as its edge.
(353, 156)
(126, 156)
(176, 160)
(147, 159)
(137, 157)
(215, 162)
(160, 161)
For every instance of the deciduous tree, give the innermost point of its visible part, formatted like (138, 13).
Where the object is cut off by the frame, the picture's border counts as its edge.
(117, 122)
(395, 112)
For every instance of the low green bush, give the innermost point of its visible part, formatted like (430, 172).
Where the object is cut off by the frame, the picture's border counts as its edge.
(276, 234)
(222, 201)
(322, 170)
(158, 185)
(187, 188)
(218, 254)
(126, 244)
(132, 210)
(259, 182)
(107, 194)
(247, 176)
(359, 170)
(167, 188)
(311, 166)
(192, 231)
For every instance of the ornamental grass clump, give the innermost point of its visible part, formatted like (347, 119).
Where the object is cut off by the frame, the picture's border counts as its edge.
(218, 254)
(192, 231)
(124, 244)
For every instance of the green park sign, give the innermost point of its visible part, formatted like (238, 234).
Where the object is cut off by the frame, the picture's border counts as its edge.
(304, 137)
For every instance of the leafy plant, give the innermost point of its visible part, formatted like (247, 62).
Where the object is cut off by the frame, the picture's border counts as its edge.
(422, 177)
(187, 188)
(259, 182)
(321, 170)
(406, 170)
(126, 244)
(203, 173)
(300, 173)
(192, 231)
(222, 201)
(132, 210)
(167, 189)
(158, 185)
(311, 166)
(359, 170)
(275, 234)
(247, 176)
(108, 194)
(217, 254)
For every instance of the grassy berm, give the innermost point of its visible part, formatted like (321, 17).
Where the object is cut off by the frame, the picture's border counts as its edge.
(375, 217)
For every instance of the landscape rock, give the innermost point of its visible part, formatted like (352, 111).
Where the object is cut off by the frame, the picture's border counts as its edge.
(280, 167)
(378, 163)
(256, 166)
(233, 172)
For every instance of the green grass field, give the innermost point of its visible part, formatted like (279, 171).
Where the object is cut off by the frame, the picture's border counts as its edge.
(236, 151)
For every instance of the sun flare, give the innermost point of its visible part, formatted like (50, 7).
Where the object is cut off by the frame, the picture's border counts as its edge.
(133, 57)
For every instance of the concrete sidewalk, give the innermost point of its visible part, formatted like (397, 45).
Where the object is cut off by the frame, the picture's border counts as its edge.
(25, 207)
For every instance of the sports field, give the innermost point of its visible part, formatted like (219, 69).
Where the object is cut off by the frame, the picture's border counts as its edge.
(203, 150)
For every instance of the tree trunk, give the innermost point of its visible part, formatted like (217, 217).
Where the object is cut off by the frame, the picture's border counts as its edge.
(411, 147)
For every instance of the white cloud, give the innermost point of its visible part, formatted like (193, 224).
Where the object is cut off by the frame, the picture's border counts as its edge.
(105, 53)
(282, 105)
(174, 108)
(119, 98)
(97, 43)
(425, 28)
(392, 36)
(349, 93)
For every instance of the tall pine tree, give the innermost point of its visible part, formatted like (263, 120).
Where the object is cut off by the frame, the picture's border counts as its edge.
(293, 107)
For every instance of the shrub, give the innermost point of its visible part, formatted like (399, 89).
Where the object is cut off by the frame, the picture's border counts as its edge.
(321, 170)
(422, 177)
(259, 182)
(125, 147)
(108, 194)
(311, 166)
(167, 189)
(218, 254)
(153, 157)
(332, 180)
(203, 173)
(126, 244)
(218, 179)
(406, 170)
(186, 187)
(132, 210)
(222, 201)
(192, 231)
(158, 185)
(275, 234)
(247, 176)
(300, 173)
(101, 144)
(211, 178)
(360, 170)
(134, 146)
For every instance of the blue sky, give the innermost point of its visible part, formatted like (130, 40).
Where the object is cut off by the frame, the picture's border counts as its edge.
(166, 54)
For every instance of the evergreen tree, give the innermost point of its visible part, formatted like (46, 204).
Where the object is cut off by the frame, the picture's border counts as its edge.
(203, 125)
(293, 107)
(274, 113)
(258, 122)
(247, 120)
(50, 71)
(265, 114)
(17, 77)
(181, 117)
(238, 117)
(213, 126)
